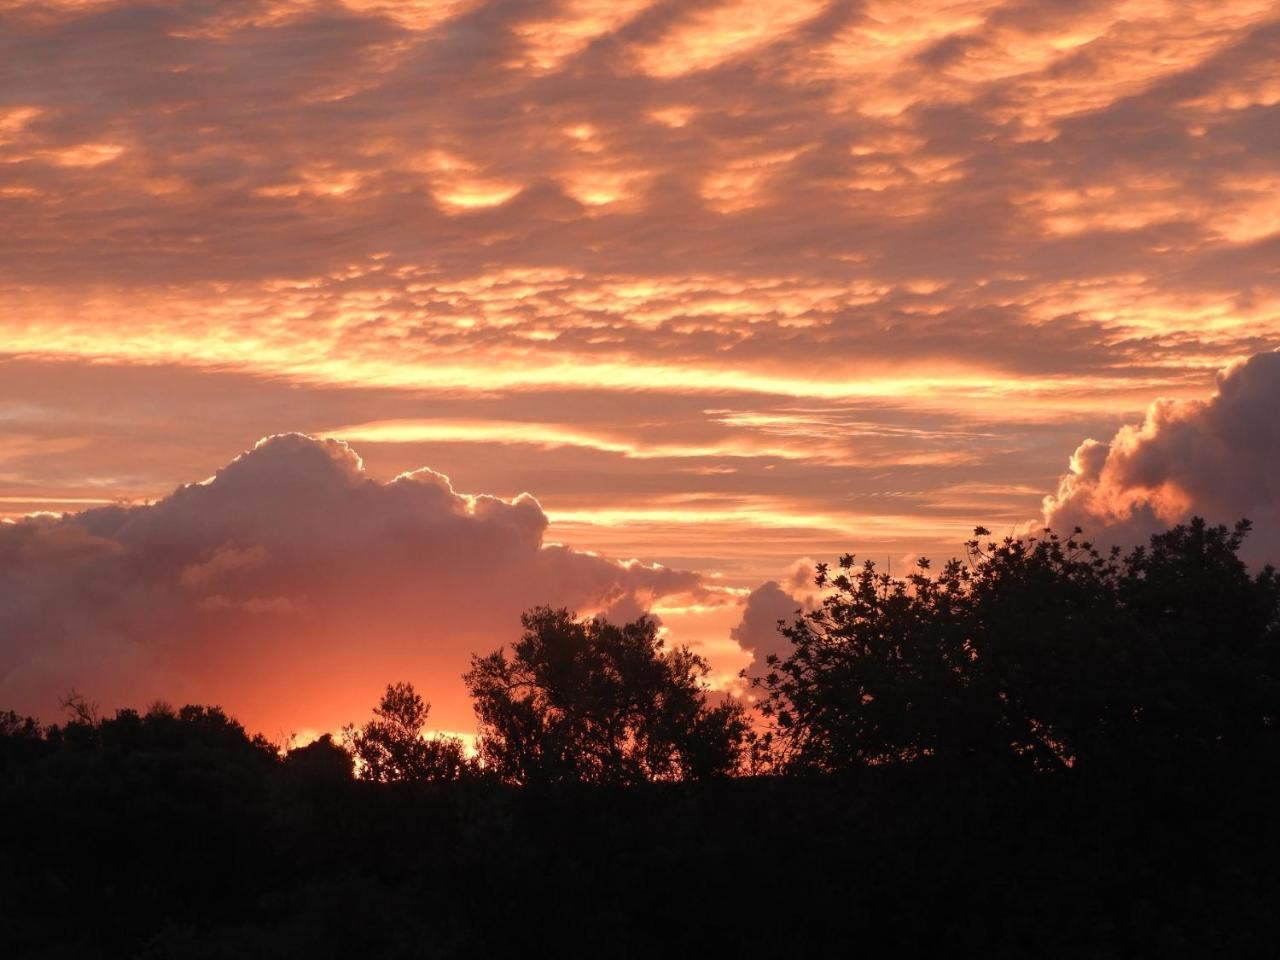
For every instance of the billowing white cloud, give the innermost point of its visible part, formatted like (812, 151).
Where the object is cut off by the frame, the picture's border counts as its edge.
(289, 587)
(1218, 458)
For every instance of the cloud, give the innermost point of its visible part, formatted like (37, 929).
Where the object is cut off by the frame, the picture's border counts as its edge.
(752, 279)
(766, 605)
(517, 194)
(758, 629)
(290, 586)
(1218, 458)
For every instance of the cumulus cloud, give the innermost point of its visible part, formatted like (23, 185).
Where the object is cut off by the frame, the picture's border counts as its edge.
(290, 587)
(773, 601)
(757, 632)
(1218, 458)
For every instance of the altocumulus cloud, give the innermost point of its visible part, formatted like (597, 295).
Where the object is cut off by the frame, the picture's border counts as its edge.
(289, 587)
(1218, 458)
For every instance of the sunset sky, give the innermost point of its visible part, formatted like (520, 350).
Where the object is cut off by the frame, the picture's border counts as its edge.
(724, 287)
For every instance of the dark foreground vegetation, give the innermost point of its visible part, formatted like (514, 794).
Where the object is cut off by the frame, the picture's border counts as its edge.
(1043, 752)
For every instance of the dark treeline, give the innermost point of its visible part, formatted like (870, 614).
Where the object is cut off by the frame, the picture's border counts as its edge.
(1041, 751)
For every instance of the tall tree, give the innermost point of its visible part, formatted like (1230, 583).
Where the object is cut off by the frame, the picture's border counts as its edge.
(392, 747)
(590, 701)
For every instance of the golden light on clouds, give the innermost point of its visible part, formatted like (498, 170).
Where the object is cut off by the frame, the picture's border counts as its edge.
(549, 42)
(546, 435)
(710, 35)
(413, 14)
(317, 358)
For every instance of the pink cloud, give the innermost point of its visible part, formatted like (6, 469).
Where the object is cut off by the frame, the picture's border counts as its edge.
(774, 600)
(1219, 458)
(288, 587)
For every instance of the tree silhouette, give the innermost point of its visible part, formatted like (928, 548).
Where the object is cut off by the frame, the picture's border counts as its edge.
(79, 708)
(391, 747)
(320, 762)
(20, 738)
(1145, 684)
(591, 701)
(1041, 651)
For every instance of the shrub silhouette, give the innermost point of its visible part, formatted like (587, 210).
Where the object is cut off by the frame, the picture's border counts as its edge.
(1039, 651)
(589, 701)
(321, 762)
(391, 748)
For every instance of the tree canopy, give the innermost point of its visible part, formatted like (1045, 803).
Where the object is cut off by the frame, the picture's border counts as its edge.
(1040, 650)
(392, 747)
(589, 701)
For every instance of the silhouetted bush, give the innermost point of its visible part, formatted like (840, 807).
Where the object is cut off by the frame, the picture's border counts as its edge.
(320, 763)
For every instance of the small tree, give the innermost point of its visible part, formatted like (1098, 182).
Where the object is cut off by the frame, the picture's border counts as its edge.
(590, 701)
(391, 747)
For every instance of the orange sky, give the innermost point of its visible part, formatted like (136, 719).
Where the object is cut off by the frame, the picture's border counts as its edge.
(723, 285)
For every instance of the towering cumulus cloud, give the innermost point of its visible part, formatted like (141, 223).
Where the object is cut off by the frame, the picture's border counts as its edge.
(289, 587)
(1219, 458)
